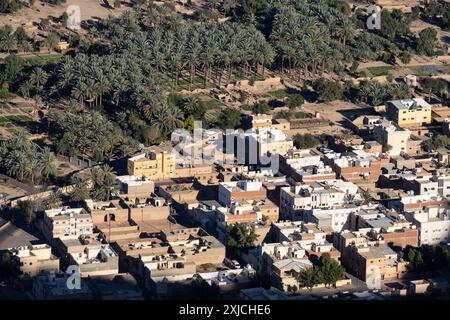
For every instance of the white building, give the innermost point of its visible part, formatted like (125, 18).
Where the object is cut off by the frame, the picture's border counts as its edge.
(239, 190)
(250, 146)
(66, 223)
(433, 225)
(295, 199)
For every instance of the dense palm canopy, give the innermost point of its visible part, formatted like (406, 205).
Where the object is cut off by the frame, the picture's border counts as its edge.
(22, 159)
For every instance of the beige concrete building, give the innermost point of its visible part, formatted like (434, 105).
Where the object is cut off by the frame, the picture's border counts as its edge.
(393, 138)
(266, 121)
(374, 263)
(135, 186)
(92, 257)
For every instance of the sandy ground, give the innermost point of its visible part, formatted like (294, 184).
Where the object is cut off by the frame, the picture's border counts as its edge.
(11, 191)
(335, 111)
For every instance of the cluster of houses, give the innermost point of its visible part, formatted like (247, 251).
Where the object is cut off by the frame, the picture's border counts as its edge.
(361, 200)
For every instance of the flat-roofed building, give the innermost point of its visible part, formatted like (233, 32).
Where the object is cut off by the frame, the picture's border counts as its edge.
(409, 112)
(66, 223)
(393, 138)
(53, 286)
(374, 263)
(356, 165)
(34, 259)
(295, 200)
(195, 244)
(135, 186)
(93, 258)
(433, 225)
(249, 211)
(160, 163)
(240, 190)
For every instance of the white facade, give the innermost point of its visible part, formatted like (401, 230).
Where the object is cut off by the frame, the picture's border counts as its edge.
(227, 188)
(299, 198)
(433, 226)
(67, 223)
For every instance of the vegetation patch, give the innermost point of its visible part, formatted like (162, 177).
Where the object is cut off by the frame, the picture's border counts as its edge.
(15, 121)
(379, 71)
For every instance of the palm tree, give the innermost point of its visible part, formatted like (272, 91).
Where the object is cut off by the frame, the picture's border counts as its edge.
(52, 40)
(46, 166)
(190, 103)
(366, 198)
(103, 182)
(25, 88)
(38, 77)
(80, 191)
(18, 164)
(167, 118)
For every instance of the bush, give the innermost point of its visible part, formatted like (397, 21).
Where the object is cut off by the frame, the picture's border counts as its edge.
(328, 90)
(305, 141)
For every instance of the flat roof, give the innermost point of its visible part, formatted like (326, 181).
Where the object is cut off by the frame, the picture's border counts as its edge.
(11, 236)
(409, 104)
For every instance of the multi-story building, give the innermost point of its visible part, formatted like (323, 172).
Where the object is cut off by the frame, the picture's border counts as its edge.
(373, 263)
(160, 163)
(196, 245)
(409, 112)
(433, 225)
(253, 212)
(336, 219)
(66, 223)
(305, 166)
(393, 138)
(53, 286)
(92, 257)
(112, 219)
(34, 259)
(266, 121)
(295, 200)
(357, 165)
(252, 147)
(391, 227)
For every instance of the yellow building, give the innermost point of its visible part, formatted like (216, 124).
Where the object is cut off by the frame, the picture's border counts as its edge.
(159, 163)
(409, 112)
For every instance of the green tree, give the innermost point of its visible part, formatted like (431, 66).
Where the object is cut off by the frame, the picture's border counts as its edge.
(24, 212)
(103, 182)
(241, 236)
(7, 267)
(295, 100)
(229, 118)
(80, 191)
(329, 270)
(308, 278)
(305, 141)
(46, 165)
(64, 18)
(328, 90)
(427, 41)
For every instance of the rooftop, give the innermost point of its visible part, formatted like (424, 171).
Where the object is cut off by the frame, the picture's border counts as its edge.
(409, 104)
